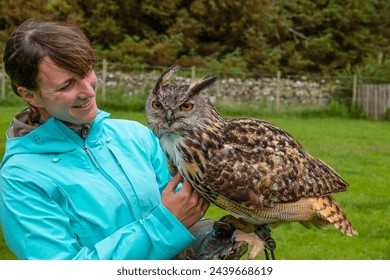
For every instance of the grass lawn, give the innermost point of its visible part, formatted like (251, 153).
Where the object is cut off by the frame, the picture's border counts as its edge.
(359, 150)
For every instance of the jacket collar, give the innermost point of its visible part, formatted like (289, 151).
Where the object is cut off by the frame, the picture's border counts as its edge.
(51, 137)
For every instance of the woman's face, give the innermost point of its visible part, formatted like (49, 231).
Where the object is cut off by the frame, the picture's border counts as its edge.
(64, 95)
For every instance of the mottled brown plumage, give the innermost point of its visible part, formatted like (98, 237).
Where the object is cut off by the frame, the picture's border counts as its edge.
(249, 167)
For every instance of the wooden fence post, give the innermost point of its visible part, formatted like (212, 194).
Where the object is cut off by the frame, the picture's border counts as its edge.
(354, 88)
(277, 98)
(193, 72)
(218, 87)
(3, 82)
(104, 78)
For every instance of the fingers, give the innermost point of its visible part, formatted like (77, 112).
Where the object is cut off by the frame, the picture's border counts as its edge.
(204, 205)
(187, 189)
(186, 204)
(199, 203)
(198, 207)
(173, 183)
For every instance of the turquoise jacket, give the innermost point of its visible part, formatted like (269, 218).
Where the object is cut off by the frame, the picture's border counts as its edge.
(62, 197)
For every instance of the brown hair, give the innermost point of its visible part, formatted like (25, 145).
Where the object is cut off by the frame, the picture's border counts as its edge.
(34, 40)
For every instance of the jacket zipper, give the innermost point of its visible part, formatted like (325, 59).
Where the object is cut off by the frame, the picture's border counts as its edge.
(90, 156)
(113, 182)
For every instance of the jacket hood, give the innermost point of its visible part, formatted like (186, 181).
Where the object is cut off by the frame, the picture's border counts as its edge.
(51, 137)
(20, 125)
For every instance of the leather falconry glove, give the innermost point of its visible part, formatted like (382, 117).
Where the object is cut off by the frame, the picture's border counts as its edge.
(214, 241)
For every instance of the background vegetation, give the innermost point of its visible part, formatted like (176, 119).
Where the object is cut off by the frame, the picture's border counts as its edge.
(327, 37)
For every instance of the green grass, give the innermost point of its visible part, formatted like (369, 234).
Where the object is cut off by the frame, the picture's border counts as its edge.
(358, 149)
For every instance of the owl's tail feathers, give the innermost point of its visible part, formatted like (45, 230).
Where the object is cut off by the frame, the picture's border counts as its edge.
(329, 211)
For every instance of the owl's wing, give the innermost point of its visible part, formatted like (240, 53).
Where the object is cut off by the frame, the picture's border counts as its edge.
(171, 168)
(260, 164)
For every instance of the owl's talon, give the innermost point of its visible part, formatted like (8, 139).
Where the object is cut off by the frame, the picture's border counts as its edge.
(254, 241)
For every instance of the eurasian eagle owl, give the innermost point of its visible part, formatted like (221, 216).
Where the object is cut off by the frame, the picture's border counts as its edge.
(248, 167)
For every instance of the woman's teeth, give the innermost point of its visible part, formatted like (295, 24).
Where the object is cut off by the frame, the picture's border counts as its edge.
(83, 105)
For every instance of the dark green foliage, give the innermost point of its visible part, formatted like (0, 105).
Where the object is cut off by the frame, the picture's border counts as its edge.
(260, 36)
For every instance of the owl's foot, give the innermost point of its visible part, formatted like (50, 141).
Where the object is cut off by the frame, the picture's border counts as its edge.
(254, 241)
(258, 237)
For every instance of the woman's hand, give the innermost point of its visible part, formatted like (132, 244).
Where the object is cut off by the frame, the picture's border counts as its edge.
(185, 204)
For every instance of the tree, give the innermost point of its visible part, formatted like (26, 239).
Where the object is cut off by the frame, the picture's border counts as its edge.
(262, 36)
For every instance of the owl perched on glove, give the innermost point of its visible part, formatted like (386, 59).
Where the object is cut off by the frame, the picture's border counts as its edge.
(254, 170)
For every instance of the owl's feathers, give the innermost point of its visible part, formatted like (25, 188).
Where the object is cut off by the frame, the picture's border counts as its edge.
(246, 166)
(270, 166)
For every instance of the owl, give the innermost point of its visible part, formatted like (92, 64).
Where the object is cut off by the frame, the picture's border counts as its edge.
(252, 169)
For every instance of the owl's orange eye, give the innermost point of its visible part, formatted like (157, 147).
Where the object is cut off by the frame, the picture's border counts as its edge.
(156, 105)
(186, 106)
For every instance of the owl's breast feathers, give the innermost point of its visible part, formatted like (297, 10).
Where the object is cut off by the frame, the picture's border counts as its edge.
(254, 164)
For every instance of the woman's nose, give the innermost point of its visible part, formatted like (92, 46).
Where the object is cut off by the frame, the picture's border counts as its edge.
(86, 91)
(88, 85)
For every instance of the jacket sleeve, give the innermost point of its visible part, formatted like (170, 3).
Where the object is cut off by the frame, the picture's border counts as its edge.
(36, 227)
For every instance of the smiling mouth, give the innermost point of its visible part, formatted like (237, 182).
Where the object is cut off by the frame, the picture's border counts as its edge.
(84, 105)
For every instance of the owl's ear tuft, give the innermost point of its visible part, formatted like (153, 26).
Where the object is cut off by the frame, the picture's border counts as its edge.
(165, 77)
(199, 85)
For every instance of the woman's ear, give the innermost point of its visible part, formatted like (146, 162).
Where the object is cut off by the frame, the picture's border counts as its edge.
(28, 96)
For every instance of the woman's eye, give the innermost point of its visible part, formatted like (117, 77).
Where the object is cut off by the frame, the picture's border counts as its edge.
(156, 105)
(66, 86)
(186, 106)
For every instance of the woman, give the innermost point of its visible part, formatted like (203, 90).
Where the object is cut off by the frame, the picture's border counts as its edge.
(74, 183)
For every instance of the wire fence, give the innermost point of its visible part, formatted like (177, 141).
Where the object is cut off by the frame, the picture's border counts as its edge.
(278, 89)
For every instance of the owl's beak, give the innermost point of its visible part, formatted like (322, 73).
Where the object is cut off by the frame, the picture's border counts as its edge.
(169, 117)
